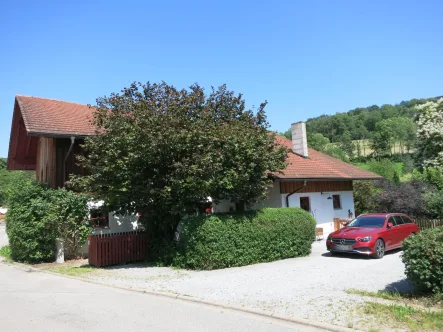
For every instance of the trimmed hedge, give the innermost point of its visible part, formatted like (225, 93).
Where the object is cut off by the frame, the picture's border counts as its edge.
(423, 257)
(38, 215)
(226, 240)
(30, 224)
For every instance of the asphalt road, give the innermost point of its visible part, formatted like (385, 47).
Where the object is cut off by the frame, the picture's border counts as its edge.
(36, 301)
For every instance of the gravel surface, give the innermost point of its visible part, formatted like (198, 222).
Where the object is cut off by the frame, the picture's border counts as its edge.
(310, 287)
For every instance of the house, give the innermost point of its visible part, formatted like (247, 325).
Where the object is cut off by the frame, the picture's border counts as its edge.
(46, 134)
(313, 181)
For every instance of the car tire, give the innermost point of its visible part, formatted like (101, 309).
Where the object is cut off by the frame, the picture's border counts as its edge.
(379, 249)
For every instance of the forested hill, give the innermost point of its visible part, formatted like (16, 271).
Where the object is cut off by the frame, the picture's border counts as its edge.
(361, 122)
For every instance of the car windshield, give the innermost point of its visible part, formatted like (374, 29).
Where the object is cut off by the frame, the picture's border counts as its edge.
(367, 221)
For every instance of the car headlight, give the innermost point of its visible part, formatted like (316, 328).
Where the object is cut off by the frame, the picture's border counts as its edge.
(329, 237)
(365, 239)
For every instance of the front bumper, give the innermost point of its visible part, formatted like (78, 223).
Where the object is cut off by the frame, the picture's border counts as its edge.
(361, 248)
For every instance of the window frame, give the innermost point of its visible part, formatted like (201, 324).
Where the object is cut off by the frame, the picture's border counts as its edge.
(308, 200)
(339, 202)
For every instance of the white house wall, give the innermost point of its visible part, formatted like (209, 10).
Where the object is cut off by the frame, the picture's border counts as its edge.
(273, 201)
(322, 208)
(119, 224)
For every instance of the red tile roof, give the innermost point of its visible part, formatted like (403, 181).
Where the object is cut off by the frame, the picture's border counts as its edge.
(320, 166)
(48, 117)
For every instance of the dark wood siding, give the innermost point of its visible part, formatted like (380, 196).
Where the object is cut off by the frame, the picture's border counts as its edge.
(71, 167)
(287, 187)
(45, 169)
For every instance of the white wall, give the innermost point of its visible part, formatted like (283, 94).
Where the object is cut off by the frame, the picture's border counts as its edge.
(118, 224)
(273, 201)
(321, 207)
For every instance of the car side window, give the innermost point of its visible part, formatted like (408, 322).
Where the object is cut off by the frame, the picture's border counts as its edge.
(392, 221)
(398, 220)
(406, 220)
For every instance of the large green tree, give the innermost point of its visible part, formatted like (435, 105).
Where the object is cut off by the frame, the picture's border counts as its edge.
(162, 152)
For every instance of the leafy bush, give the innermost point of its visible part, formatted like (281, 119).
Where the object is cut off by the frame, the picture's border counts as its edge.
(423, 257)
(5, 252)
(31, 224)
(72, 220)
(38, 215)
(226, 240)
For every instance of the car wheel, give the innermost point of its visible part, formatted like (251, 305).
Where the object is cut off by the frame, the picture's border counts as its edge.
(379, 249)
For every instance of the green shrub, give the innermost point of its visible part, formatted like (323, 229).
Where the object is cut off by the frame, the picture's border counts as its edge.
(38, 215)
(30, 224)
(220, 241)
(423, 257)
(5, 252)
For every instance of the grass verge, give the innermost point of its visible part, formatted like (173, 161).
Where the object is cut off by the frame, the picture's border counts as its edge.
(5, 252)
(411, 298)
(404, 316)
(76, 271)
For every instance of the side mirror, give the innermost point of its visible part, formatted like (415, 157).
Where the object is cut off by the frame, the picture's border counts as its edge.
(390, 225)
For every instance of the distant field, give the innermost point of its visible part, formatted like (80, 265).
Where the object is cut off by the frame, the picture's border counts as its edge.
(366, 150)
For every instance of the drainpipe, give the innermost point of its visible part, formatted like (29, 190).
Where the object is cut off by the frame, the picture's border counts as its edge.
(66, 158)
(295, 191)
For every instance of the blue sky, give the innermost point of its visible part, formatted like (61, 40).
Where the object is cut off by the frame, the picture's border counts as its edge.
(306, 58)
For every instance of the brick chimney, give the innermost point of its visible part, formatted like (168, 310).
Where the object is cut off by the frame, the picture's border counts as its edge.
(299, 139)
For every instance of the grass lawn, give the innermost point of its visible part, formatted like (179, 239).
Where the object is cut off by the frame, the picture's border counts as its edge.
(76, 271)
(410, 311)
(404, 316)
(425, 300)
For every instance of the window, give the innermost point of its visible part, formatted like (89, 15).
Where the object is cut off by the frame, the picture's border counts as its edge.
(406, 220)
(99, 218)
(392, 221)
(336, 202)
(367, 221)
(398, 220)
(305, 204)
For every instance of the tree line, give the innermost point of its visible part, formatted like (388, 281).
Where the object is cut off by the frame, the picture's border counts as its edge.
(367, 130)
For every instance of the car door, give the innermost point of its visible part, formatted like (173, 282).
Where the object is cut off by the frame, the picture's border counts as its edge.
(392, 234)
(410, 226)
(403, 229)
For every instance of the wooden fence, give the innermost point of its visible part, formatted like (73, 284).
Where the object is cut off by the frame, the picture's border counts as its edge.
(429, 223)
(116, 249)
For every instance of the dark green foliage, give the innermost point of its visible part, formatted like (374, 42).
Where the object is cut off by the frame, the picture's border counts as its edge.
(423, 258)
(407, 197)
(31, 224)
(364, 194)
(161, 152)
(361, 122)
(220, 241)
(38, 215)
(8, 179)
(347, 145)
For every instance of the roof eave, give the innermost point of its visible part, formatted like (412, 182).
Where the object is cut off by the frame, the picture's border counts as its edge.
(328, 178)
(59, 135)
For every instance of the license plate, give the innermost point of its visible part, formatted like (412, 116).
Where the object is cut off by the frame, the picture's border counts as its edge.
(341, 247)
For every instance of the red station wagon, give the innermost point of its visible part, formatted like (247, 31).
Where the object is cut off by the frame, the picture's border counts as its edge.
(372, 234)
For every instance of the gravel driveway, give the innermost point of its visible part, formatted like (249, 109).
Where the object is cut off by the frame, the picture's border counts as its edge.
(309, 287)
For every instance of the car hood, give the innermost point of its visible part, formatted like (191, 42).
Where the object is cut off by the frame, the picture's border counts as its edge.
(353, 232)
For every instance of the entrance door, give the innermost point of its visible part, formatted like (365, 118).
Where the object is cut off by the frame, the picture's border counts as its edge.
(305, 204)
